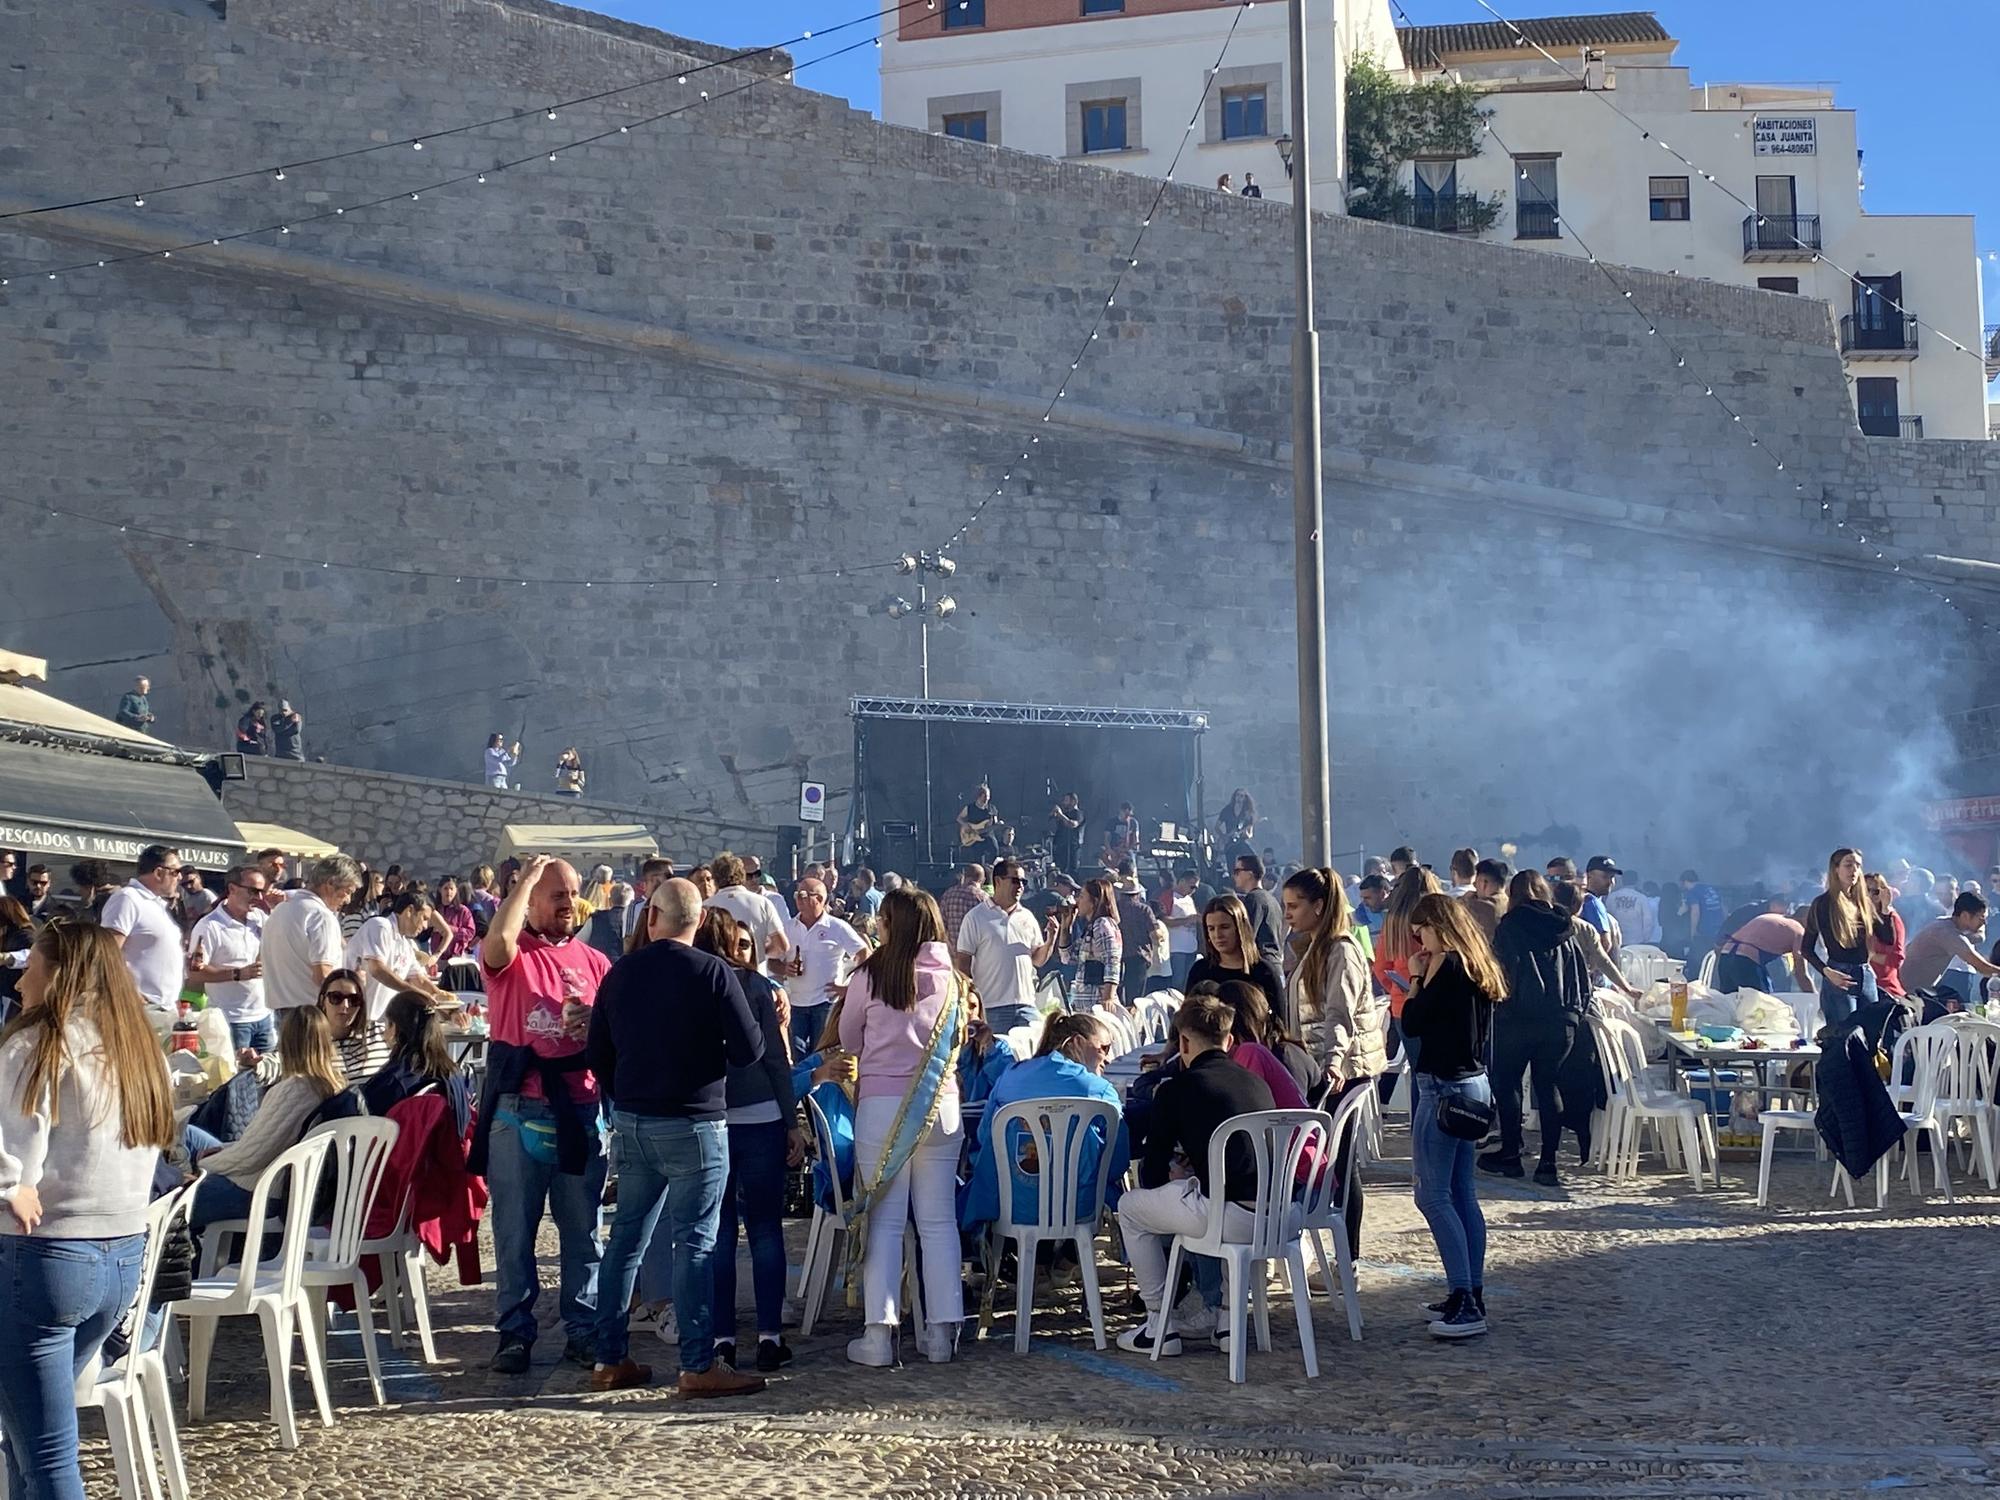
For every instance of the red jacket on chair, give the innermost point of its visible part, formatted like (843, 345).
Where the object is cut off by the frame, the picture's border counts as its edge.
(429, 1161)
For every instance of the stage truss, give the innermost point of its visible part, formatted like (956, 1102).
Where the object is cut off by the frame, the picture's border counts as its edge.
(938, 710)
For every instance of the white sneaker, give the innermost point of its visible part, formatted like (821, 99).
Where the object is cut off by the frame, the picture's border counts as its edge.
(1139, 1340)
(659, 1321)
(1195, 1316)
(940, 1342)
(876, 1346)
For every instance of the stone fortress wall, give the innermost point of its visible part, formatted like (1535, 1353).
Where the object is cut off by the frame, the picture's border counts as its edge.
(772, 335)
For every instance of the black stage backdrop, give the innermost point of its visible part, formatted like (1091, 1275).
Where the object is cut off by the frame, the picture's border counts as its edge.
(1028, 766)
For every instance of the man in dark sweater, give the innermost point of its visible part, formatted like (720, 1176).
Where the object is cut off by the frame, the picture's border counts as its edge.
(668, 1024)
(1267, 923)
(1174, 1191)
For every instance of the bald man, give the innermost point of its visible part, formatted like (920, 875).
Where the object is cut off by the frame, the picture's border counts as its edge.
(824, 952)
(541, 982)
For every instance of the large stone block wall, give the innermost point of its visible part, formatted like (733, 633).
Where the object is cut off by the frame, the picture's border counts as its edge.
(771, 337)
(435, 827)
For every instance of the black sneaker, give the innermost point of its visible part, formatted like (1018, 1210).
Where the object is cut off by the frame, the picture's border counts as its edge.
(1502, 1165)
(1438, 1309)
(725, 1353)
(511, 1358)
(581, 1352)
(1461, 1319)
(772, 1355)
(1545, 1176)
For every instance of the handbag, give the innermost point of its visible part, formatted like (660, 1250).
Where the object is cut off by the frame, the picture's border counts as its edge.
(1464, 1119)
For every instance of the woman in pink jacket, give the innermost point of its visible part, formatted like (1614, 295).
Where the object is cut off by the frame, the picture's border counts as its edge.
(905, 1019)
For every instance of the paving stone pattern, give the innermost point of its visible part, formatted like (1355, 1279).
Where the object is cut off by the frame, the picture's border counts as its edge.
(775, 335)
(1647, 1341)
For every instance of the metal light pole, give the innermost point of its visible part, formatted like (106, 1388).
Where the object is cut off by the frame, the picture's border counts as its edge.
(1308, 510)
(925, 609)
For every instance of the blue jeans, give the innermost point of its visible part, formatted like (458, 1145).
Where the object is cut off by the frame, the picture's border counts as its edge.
(756, 1192)
(808, 1021)
(1837, 1004)
(1002, 1019)
(263, 1035)
(58, 1301)
(1447, 1189)
(218, 1198)
(520, 1184)
(679, 1167)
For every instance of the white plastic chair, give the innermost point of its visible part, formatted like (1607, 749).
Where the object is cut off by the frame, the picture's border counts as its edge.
(359, 1154)
(1059, 1130)
(1280, 1138)
(1634, 1104)
(399, 1257)
(272, 1292)
(1325, 1202)
(133, 1391)
(1928, 1051)
(1970, 1090)
(1769, 1123)
(825, 1237)
(1643, 964)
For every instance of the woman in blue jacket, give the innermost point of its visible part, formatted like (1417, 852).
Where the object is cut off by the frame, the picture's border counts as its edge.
(1068, 1065)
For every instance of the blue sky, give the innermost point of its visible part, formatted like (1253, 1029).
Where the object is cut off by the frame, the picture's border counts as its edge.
(1918, 74)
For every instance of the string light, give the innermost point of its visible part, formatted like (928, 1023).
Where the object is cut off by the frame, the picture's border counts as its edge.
(278, 172)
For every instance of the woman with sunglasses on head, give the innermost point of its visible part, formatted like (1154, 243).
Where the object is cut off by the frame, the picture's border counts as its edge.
(1069, 1064)
(85, 1111)
(357, 1041)
(763, 1142)
(1455, 983)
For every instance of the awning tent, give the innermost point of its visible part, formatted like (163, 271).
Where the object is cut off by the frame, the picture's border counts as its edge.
(286, 840)
(595, 841)
(58, 806)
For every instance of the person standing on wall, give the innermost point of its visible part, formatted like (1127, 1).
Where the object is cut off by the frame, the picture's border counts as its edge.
(135, 709)
(1839, 921)
(500, 759)
(253, 731)
(288, 732)
(570, 774)
(538, 1139)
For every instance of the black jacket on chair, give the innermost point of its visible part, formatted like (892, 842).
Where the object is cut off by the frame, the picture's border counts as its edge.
(1855, 1117)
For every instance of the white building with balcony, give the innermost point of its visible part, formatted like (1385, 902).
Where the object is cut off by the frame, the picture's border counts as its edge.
(1115, 82)
(1568, 172)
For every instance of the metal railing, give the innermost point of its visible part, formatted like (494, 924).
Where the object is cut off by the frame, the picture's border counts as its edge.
(1993, 351)
(1881, 333)
(1781, 234)
(1536, 221)
(1910, 427)
(1447, 213)
(1889, 425)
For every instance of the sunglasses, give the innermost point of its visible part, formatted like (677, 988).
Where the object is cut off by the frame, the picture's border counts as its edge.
(341, 997)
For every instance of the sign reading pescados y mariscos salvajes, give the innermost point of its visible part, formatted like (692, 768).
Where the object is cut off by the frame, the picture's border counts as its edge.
(76, 843)
(1787, 135)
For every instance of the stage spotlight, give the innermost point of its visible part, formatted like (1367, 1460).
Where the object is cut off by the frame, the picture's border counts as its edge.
(898, 608)
(946, 606)
(944, 567)
(906, 564)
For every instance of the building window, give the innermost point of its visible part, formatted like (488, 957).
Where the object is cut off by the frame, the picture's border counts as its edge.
(1535, 210)
(1669, 197)
(1104, 125)
(967, 127)
(1778, 284)
(1103, 7)
(964, 13)
(1243, 113)
(1876, 406)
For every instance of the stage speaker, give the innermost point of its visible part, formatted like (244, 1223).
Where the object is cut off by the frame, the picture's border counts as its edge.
(894, 848)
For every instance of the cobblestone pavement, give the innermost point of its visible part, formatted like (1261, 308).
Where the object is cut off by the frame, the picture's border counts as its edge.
(1647, 1341)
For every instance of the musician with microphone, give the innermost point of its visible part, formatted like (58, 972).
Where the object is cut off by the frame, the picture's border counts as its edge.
(979, 827)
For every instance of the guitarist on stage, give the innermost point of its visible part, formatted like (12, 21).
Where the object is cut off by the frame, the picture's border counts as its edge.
(979, 827)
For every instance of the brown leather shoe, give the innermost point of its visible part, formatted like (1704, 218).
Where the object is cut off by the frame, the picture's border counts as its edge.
(719, 1380)
(621, 1376)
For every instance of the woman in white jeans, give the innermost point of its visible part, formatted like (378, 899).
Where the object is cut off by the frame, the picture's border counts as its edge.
(904, 1018)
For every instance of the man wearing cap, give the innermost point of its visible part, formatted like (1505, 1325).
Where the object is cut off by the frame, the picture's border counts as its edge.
(1599, 876)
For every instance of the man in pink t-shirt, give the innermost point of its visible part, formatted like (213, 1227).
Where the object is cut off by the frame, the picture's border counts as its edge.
(540, 1137)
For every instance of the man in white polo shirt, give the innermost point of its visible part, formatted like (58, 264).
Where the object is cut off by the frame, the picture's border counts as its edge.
(224, 955)
(1000, 946)
(820, 943)
(302, 937)
(753, 909)
(147, 932)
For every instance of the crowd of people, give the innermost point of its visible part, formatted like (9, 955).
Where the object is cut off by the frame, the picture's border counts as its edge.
(664, 1052)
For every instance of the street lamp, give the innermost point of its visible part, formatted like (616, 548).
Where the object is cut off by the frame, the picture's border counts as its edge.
(1284, 145)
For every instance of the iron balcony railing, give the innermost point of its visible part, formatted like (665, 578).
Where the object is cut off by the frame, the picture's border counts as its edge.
(1537, 221)
(1879, 333)
(1447, 213)
(1777, 236)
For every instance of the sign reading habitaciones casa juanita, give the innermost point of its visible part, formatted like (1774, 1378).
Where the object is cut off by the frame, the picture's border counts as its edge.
(1787, 135)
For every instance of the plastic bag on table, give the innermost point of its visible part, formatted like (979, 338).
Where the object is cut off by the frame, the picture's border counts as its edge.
(1765, 1015)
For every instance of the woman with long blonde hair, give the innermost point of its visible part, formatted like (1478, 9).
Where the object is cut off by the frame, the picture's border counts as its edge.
(85, 1110)
(1396, 943)
(1456, 982)
(309, 1072)
(1840, 921)
(905, 1020)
